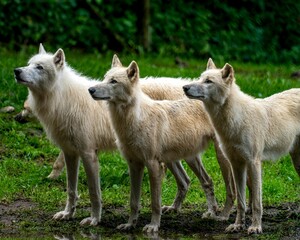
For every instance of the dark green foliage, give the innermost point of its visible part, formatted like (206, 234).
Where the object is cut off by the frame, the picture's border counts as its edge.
(255, 30)
(180, 27)
(62, 23)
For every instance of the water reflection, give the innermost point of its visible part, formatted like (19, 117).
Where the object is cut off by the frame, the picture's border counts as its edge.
(91, 236)
(131, 236)
(94, 236)
(155, 236)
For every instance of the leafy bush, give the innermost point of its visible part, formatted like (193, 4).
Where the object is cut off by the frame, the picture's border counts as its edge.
(180, 28)
(255, 30)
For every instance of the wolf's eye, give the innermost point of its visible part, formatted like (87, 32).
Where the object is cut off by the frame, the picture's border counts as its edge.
(113, 81)
(39, 67)
(208, 81)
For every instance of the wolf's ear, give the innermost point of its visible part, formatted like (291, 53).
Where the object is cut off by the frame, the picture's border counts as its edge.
(210, 64)
(42, 49)
(59, 58)
(227, 73)
(116, 61)
(133, 71)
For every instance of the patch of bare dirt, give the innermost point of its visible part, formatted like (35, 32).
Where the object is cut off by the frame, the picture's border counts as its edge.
(10, 214)
(279, 222)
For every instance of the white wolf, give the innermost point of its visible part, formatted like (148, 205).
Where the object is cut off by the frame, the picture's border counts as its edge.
(249, 130)
(150, 133)
(80, 126)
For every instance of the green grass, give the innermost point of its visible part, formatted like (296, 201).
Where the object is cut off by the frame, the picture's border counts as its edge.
(26, 155)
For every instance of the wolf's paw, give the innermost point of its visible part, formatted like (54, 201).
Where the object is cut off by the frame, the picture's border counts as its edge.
(54, 174)
(209, 215)
(151, 228)
(254, 229)
(63, 215)
(91, 221)
(249, 210)
(169, 209)
(235, 228)
(221, 218)
(125, 226)
(63, 237)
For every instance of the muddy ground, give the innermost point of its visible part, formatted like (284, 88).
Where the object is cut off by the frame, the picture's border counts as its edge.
(24, 218)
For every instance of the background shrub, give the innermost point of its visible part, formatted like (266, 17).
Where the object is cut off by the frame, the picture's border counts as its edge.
(254, 30)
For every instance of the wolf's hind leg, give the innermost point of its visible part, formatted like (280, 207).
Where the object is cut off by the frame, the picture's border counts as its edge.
(58, 166)
(295, 155)
(226, 170)
(182, 181)
(196, 165)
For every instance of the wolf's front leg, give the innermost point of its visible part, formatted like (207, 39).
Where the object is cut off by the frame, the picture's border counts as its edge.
(156, 172)
(254, 168)
(183, 182)
(136, 171)
(239, 172)
(91, 167)
(72, 164)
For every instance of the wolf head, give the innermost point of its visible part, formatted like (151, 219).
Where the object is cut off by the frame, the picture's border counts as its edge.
(213, 85)
(42, 70)
(119, 83)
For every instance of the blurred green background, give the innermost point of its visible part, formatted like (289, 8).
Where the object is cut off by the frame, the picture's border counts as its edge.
(246, 30)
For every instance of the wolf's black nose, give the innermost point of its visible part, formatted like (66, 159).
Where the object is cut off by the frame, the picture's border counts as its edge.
(92, 90)
(17, 71)
(186, 88)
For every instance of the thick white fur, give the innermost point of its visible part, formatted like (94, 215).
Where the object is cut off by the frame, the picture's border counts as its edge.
(157, 88)
(250, 130)
(59, 98)
(80, 126)
(150, 133)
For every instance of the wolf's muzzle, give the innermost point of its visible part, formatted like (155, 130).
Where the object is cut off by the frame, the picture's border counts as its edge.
(17, 72)
(186, 88)
(92, 90)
